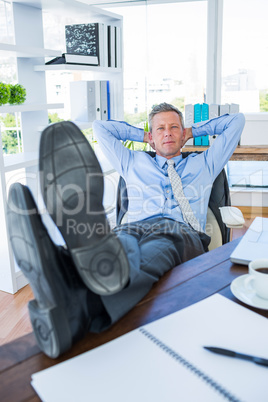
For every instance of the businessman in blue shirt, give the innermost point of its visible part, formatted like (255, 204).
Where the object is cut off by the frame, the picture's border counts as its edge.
(102, 273)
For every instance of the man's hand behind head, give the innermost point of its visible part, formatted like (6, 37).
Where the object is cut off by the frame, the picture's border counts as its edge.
(187, 135)
(147, 139)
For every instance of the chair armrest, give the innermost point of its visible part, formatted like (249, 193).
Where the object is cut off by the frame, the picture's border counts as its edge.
(232, 217)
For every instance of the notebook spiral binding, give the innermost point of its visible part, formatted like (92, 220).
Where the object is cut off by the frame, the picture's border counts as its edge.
(226, 394)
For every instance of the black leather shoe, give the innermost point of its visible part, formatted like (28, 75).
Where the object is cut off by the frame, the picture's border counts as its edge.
(72, 187)
(59, 312)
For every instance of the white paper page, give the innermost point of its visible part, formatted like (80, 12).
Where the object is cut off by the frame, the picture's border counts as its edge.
(132, 368)
(217, 321)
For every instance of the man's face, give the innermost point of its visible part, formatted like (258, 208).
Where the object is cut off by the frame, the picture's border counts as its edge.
(167, 134)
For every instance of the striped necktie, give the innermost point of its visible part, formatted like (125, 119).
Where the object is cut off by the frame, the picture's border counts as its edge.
(184, 205)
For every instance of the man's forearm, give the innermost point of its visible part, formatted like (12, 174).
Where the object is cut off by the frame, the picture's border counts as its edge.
(219, 125)
(109, 135)
(188, 133)
(229, 129)
(117, 129)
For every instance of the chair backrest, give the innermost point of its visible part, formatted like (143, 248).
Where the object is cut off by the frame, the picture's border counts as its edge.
(219, 197)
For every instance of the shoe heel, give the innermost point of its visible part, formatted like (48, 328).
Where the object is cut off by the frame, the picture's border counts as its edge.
(51, 329)
(104, 267)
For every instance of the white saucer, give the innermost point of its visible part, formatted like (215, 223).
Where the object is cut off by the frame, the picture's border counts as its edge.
(246, 295)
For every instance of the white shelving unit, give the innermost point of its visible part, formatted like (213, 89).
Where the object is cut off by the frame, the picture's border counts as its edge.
(32, 74)
(20, 161)
(30, 107)
(26, 51)
(70, 67)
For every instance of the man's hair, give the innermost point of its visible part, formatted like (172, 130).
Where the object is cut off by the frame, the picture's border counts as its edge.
(164, 107)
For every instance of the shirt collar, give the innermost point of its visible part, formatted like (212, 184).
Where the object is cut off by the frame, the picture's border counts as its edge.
(161, 160)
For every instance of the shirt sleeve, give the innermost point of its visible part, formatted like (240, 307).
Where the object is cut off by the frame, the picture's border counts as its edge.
(110, 134)
(229, 129)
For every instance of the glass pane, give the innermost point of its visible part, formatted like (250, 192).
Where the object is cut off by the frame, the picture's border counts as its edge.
(245, 54)
(164, 56)
(11, 133)
(247, 173)
(8, 69)
(6, 23)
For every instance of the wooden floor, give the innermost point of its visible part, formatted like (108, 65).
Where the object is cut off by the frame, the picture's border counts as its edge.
(14, 317)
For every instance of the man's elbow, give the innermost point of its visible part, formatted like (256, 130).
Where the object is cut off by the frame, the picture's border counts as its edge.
(241, 119)
(101, 124)
(96, 124)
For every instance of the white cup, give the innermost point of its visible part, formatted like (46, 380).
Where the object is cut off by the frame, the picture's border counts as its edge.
(258, 279)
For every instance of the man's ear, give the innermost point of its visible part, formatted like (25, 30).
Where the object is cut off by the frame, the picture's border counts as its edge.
(183, 137)
(150, 136)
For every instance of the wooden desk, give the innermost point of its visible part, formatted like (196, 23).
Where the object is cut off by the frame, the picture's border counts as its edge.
(184, 285)
(241, 153)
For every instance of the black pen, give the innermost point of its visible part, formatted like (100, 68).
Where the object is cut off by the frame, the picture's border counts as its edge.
(231, 353)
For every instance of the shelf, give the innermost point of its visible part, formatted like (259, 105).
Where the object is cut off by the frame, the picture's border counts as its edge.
(76, 67)
(30, 107)
(69, 8)
(241, 153)
(83, 125)
(26, 51)
(19, 161)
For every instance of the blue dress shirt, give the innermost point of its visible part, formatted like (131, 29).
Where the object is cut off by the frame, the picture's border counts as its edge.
(148, 185)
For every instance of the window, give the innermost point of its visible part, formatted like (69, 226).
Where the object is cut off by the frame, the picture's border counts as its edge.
(6, 22)
(11, 133)
(8, 64)
(245, 78)
(164, 56)
(247, 174)
(245, 54)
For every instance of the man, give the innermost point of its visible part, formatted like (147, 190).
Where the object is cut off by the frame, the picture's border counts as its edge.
(102, 274)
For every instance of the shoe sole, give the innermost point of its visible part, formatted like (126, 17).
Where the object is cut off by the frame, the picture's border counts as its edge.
(32, 248)
(73, 193)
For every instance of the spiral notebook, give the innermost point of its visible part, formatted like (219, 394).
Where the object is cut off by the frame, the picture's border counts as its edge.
(165, 361)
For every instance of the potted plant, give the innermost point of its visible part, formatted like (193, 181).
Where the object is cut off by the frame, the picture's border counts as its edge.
(4, 93)
(17, 94)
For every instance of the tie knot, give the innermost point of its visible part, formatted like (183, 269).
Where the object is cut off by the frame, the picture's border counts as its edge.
(170, 162)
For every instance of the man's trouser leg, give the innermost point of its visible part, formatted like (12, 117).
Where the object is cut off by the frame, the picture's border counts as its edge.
(153, 247)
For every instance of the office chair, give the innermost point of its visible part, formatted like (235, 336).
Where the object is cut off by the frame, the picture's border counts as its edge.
(221, 217)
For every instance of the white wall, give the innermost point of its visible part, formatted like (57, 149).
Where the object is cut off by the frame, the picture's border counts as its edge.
(256, 129)
(249, 197)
